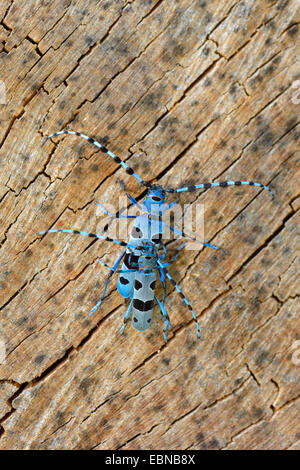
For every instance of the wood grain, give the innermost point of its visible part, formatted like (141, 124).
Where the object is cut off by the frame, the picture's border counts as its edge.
(186, 92)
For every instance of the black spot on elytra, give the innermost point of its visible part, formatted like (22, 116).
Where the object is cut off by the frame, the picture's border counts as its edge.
(136, 232)
(28, 253)
(137, 284)
(123, 280)
(62, 104)
(69, 266)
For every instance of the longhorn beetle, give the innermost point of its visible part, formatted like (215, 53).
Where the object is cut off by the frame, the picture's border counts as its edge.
(147, 229)
(144, 268)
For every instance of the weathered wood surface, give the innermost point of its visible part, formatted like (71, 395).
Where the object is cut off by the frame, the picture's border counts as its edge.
(187, 91)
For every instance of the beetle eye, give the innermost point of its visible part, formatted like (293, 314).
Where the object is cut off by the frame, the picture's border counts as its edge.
(156, 198)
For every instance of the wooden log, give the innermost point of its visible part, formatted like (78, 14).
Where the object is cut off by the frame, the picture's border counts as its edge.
(186, 92)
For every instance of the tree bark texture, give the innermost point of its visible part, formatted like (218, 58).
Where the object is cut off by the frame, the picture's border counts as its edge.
(186, 92)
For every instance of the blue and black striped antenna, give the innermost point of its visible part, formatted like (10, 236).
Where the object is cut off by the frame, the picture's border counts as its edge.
(127, 168)
(149, 185)
(221, 184)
